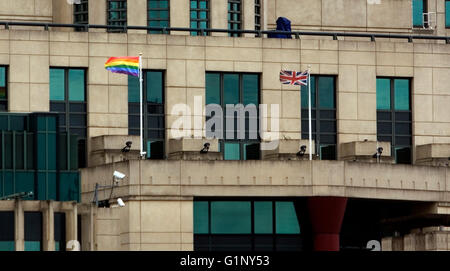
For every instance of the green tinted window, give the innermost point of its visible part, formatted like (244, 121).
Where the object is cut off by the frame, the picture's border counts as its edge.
(231, 88)
(57, 85)
(155, 87)
(76, 85)
(383, 94)
(201, 219)
(401, 92)
(286, 218)
(304, 94)
(263, 217)
(417, 12)
(212, 88)
(326, 92)
(447, 13)
(133, 89)
(250, 89)
(32, 246)
(231, 151)
(2, 77)
(7, 246)
(230, 217)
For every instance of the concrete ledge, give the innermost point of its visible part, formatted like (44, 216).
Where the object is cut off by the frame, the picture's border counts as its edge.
(287, 150)
(363, 151)
(189, 149)
(433, 155)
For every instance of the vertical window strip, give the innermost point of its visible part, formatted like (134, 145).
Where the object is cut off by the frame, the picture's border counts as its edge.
(117, 14)
(447, 13)
(81, 13)
(3, 89)
(199, 16)
(158, 15)
(257, 15)
(234, 17)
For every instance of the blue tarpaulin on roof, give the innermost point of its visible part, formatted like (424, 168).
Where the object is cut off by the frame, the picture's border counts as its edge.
(283, 24)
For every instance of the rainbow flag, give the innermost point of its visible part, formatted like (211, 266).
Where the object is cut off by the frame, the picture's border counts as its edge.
(126, 65)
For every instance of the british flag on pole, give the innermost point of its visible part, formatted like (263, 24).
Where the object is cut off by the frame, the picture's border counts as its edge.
(294, 78)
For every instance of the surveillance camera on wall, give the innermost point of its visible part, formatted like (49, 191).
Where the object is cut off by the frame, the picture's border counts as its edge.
(118, 175)
(120, 202)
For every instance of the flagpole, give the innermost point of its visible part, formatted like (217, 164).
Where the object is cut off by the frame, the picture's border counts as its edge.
(142, 153)
(309, 112)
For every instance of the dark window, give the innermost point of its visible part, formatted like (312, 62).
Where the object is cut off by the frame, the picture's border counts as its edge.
(60, 231)
(246, 225)
(199, 16)
(7, 231)
(33, 231)
(419, 7)
(258, 15)
(234, 17)
(152, 109)
(394, 116)
(68, 99)
(323, 115)
(3, 89)
(81, 14)
(158, 14)
(117, 14)
(232, 89)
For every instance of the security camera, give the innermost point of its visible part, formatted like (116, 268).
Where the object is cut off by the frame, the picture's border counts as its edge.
(118, 175)
(120, 202)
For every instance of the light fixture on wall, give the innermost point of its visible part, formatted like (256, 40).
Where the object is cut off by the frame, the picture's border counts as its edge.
(302, 151)
(205, 148)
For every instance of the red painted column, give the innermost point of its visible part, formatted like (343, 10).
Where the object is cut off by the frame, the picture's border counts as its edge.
(326, 214)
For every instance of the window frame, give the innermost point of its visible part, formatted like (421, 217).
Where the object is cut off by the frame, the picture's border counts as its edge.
(258, 16)
(447, 24)
(146, 115)
(241, 142)
(424, 10)
(392, 111)
(198, 19)
(80, 10)
(121, 22)
(5, 100)
(252, 236)
(230, 13)
(316, 117)
(159, 19)
(82, 160)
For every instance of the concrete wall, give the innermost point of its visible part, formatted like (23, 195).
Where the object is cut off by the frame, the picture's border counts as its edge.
(26, 10)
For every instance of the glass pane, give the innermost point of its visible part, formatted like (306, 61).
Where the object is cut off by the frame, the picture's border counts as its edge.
(76, 85)
(212, 88)
(32, 246)
(401, 87)
(203, 25)
(201, 219)
(327, 152)
(250, 89)
(417, 10)
(447, 13)
(251, 151)
(154, 87)
(326, 92)
(133, 89)
(193, 4)
(203, 4)
(155, 149)
(304, 94)
(193, 14)
(2, 77)
(57, 86)
(230, 217)
(231, 151)
(7, 246)
(231, 88)
(263, 217)
(383, 94)
(286, 218)
(403, 155)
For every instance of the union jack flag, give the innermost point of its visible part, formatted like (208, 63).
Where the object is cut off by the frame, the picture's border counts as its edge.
(294, 78)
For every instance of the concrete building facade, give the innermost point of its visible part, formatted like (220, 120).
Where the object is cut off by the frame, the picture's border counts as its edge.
(405, 207)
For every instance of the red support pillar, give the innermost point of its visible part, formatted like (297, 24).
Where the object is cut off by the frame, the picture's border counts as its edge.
(326, 214)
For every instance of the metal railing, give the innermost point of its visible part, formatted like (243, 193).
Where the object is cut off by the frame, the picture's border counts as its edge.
(202, 31)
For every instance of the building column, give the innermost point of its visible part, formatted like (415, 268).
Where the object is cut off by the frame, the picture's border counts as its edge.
(218, 16)
(326, 214)
(72, 223)
(19, 224)
(48, 227)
